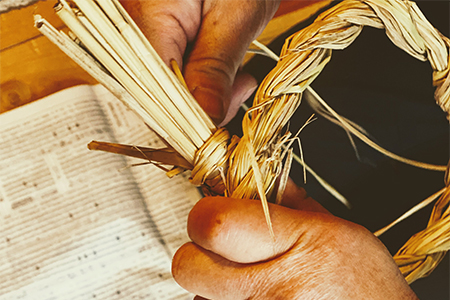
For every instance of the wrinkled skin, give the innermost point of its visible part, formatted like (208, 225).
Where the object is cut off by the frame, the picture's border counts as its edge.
(232, 255)
(314, 256)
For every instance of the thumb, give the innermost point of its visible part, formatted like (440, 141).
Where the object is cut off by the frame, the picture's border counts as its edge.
(243, 87)
(226, 31)
(236, 229)
(313, 256)
(233, 255)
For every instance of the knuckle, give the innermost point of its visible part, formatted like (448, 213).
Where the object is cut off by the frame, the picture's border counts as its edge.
(218, 64)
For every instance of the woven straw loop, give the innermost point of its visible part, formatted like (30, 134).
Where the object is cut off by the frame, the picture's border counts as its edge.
(306, 52)
(250, 167)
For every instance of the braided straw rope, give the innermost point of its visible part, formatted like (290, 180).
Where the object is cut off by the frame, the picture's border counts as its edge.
(303, 56)
(249, 167)
(422, 253)
(306, 52)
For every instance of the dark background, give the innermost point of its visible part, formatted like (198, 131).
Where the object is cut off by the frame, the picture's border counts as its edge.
(390, 94)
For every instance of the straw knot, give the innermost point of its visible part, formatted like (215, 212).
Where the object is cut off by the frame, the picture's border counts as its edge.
(210, 162)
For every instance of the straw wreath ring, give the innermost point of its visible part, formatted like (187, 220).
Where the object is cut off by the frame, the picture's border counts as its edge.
(257, 164)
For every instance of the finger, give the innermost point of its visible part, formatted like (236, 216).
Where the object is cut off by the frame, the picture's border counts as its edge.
(243, 87)
(227, 29)
(209, 275)
(335, 266)
(295, 197)
(168, 24)
(237, 230)
(213, 277)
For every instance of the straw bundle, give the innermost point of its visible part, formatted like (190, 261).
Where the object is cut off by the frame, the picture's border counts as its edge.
(123, 60)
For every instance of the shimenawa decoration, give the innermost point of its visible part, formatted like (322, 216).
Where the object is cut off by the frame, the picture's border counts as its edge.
(105, 41)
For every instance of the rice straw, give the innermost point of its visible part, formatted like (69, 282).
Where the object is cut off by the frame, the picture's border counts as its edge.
(249, 167)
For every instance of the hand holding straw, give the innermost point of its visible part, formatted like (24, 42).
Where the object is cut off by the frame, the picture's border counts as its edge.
(246, 167)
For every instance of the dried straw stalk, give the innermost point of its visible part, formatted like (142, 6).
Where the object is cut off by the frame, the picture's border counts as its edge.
(138, 77)
(249, 167)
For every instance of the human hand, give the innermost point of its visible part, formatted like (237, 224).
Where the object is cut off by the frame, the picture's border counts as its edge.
(219, 33)
(314, 255)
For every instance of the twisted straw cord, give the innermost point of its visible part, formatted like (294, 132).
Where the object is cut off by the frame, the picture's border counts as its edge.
(248, 168)
(306, 52)
(303, 57)
(425, 250)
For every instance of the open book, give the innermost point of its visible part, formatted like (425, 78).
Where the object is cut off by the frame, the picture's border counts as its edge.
(80, 224)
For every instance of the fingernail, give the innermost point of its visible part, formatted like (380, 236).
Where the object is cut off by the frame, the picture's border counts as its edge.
(236, 103)
(248, 93)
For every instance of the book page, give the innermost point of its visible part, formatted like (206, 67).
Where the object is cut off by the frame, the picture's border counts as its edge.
(73, 222)
(168, 200)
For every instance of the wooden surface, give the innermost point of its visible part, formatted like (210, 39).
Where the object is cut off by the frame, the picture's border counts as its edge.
(32, 67)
